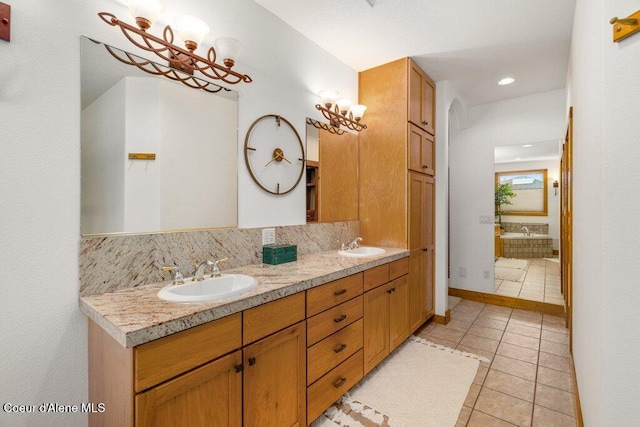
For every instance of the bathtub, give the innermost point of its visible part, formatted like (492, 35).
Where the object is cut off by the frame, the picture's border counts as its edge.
(519, 245)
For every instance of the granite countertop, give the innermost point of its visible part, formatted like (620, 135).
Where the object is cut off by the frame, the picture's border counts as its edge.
(136, 316)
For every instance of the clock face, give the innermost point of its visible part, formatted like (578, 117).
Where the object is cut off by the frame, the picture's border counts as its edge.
(274, 154)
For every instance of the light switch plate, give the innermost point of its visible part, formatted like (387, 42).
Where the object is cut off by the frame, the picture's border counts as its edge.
(268, 236)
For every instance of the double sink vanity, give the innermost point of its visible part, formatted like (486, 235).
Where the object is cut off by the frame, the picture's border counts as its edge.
(280, 353)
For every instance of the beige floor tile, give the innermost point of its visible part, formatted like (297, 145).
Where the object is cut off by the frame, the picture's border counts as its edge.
(543, 417)
(525, 321)
(484, 344)
(557, 337)
(459, 325)
(561, 329)
(553, 378)
(463, 308)
(517, 352)
(515, 367)
(481, 374)
(531, 297)
(554, 348)
(480, 419)
(525, 330)
(552, 361)
(465, 317)
(526, 314)
(472, 395)
(494, 315)
(463, 417)
(444, 333)
(498, 309)
(439, 341)
(507, 292)
(473, 304)
(556, 399)
(485, 332)
(548, 319)
(491, 323)
(504, 407)
(521, 340)
(510, 384)
(488, 355)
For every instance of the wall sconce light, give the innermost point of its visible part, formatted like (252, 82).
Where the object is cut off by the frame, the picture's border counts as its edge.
(191, 30)
(340, 111)
(319, 125)
(555, 187)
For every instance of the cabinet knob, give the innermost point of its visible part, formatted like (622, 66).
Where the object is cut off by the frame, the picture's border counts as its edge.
(339, 348)
(392, 290)
(425, 166)
(340, 318)
(340, 292)
(339, 382)
(425, 249)
(239, 368)
(252, 361)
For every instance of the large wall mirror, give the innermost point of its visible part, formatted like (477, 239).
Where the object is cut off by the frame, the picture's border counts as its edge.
(332, 174)
(157, 155)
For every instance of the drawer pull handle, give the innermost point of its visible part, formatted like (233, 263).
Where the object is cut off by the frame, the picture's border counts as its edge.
(425, 249)
(340, 318)
(239, 368)
(392, 290)
(340, 292)
(252, 361)
(339, 348)
(339, 382)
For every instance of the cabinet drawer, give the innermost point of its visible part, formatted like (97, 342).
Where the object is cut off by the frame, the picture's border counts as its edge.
(398, 268)
(258, 322)
(332, 320)
(333, 350)
(333, 293)
(334, 384)
(376, 276)
(165, 358)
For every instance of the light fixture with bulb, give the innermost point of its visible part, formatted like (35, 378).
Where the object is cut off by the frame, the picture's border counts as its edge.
(191, 30)
(506, 81)
(341, 111)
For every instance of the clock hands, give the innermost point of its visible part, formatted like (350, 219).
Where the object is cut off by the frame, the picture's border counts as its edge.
(278, 156)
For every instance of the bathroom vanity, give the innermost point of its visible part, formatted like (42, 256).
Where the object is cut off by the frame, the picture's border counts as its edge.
(278, 355)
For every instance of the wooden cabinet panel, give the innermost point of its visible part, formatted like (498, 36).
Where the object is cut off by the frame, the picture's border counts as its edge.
(333, 350)
(429, 305)
(376, 276)
(333, 293)
(268, 318)
(376, 327)
(332, 320)
(274, 379)
(421, 150)
(428, 105)
(398, 311)
(165, 358)
(398, 268)
(417, 288)
(334, 384)
(421, 99)
(207, 396)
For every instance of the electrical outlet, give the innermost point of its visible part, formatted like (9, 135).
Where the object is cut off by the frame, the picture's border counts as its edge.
(485, 274)
(268, 236)
(462, 271)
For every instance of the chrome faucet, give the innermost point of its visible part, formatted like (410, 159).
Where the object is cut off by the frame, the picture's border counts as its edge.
(354, 244)
(199, 274)
(525, 230)
(176, 274)
(215, 271)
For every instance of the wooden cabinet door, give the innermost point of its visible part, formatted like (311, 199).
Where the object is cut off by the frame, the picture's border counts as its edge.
(428, 97)
(398, 291)
(429, 306)
(420, 150)
(376, 327)
(275, 379)
(207, 396)
(421, 99)
(417, 287)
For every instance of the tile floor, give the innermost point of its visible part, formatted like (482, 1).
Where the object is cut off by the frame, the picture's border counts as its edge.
(529, 379)
(541, 282)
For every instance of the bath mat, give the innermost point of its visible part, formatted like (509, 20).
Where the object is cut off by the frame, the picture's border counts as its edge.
(419, 384)
(512, 263)
(510, 274)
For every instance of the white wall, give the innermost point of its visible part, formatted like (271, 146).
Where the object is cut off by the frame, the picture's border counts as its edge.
(553, 196)
(604, 89)
(539, 117)
(43, 357)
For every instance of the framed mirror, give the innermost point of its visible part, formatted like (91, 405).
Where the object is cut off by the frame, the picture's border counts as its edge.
(156, 155)
(332, 174)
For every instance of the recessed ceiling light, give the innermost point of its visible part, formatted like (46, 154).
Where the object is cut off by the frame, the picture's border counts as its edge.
(527, 145)
(506, 81)
(518, 158)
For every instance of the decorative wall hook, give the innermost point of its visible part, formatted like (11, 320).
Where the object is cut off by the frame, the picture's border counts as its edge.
(5, 22)
(625, 27)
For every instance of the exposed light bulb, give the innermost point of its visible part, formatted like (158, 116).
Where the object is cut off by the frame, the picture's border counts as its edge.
(506, 81)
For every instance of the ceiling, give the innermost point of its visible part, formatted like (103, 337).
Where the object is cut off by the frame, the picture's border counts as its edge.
(541, 150)
(470, 43)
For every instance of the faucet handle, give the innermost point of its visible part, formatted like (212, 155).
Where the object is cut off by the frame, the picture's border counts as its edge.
(215, 271)
(176, 274)
(343, 247)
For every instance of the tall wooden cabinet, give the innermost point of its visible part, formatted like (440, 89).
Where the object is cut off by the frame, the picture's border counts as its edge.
(397, 173)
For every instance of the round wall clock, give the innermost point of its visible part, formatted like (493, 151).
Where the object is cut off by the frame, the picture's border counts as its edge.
(274, 154)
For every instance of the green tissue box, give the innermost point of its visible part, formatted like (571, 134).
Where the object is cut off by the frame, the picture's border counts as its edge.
(279, 254)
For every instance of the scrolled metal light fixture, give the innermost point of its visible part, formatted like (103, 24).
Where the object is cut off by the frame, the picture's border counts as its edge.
(324, 126)
(340, 112)
(192, 30)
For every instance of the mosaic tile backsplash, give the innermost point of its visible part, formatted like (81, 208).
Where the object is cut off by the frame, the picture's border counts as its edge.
(111, 263)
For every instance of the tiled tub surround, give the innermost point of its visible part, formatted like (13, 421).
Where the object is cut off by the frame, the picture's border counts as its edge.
(110, 263)
(516, 227)
(135, 316)
(516, 245)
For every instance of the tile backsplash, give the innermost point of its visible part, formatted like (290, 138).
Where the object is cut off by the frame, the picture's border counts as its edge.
(110, 263)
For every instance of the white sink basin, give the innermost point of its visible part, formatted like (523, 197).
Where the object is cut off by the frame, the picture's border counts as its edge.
(362, 252)
(211, 289)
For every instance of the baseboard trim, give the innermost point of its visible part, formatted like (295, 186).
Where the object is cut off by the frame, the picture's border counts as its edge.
(523, 304)
(576, 394)
(443, 320)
